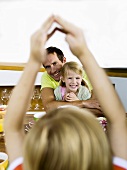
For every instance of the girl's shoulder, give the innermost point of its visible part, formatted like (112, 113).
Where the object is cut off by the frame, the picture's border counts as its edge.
(119, 163)
(83, 88)
(17, 164)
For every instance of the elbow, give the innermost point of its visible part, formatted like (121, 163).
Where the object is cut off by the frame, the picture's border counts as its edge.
(47, 108)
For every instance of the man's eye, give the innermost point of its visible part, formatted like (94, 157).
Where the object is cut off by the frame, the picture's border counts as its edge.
(55, 63)
(77, 78)
(47, 67)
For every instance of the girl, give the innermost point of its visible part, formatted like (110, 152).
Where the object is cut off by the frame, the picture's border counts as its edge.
(72, 86)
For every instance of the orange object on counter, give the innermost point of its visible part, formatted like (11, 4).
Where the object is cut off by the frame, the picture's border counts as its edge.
(1, 125)
(2, 114)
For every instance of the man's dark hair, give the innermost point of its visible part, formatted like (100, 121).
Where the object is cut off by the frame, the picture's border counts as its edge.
(51, 50)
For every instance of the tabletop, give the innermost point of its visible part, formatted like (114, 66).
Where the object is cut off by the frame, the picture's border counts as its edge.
(28, 118)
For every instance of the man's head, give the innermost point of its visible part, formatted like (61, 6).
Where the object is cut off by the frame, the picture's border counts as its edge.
(54, 61)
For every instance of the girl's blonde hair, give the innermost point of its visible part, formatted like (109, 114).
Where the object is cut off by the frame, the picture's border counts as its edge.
(73, 66)
(67, 139)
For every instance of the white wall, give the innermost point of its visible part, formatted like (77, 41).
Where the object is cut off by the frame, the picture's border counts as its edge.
(121, 88)
(104, 23)
(12, 77)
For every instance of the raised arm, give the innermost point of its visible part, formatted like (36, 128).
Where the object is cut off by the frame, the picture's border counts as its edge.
(18, 104)
(104, 91)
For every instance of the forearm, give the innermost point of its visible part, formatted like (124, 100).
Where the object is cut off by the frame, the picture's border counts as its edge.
(21, 96)
(55, 104)
(18, 104)
(107, 97)
(79, 103)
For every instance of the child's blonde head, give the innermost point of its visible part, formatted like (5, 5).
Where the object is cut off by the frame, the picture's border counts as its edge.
(71, 66)
(67, 139)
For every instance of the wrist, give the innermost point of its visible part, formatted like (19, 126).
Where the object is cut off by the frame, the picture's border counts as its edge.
(35, 64)
(85, 53)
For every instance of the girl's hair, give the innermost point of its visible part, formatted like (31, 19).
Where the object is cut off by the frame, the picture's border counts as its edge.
(67, 139)
(73, 66)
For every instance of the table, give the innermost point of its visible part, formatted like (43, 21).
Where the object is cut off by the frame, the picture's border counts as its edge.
(28, 118)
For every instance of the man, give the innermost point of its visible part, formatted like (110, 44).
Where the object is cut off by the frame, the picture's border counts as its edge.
(55, 59)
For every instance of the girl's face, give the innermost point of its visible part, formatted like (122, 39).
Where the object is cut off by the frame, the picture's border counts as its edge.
(72, 81)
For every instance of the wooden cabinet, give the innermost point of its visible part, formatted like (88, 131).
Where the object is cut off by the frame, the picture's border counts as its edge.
(18, 68)
(35, 103)
(9, 76)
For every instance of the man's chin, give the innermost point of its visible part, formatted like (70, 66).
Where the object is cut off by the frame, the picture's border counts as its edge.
(56, 79)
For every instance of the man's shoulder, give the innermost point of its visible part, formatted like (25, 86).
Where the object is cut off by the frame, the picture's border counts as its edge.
(45, 74)
(48, 81)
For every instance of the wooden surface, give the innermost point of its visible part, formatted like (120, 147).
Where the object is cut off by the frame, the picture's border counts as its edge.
(29, 118)
(33, 102)
(116, 72)
(15, 66)
(113, 72)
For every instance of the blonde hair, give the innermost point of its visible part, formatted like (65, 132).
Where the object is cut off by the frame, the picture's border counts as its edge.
(75, 67)
(67, 139)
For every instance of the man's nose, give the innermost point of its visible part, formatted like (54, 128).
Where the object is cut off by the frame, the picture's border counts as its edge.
(52, 69)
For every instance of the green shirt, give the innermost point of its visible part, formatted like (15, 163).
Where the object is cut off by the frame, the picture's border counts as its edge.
(48, 81)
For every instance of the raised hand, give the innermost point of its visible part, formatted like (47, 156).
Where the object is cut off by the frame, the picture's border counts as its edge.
(74, 37)
(22, 92)
(39, 39)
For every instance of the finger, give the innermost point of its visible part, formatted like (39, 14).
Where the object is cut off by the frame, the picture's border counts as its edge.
(60, 30)
(57, 29)
(48, 23)
(67, 26)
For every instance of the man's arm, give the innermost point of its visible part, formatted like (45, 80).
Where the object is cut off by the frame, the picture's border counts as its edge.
(49, 102)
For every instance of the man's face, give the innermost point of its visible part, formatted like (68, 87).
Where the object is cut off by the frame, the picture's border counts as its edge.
(53, 66)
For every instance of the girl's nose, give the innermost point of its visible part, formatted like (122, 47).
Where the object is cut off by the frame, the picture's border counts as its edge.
(74, 80)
